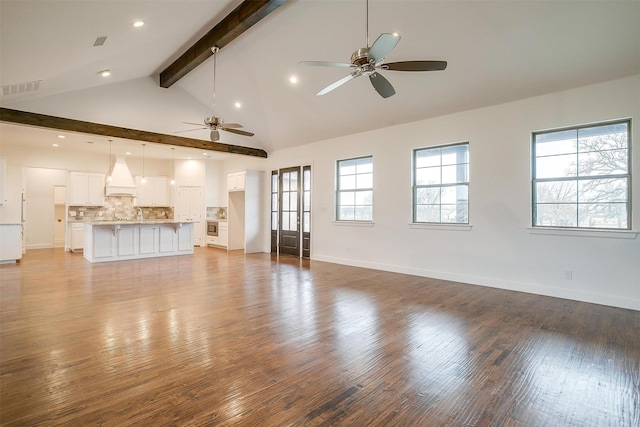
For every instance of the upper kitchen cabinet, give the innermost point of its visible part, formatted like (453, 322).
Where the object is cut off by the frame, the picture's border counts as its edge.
(86, 189)
(236, 181)
(153, 192)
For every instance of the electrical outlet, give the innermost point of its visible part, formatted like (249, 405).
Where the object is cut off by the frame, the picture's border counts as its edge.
(568, 274)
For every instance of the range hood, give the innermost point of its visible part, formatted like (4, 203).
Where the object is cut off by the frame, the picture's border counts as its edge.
(121, 183)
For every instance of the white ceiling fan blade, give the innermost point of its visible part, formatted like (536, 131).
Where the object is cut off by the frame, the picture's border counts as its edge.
(339, 83)
(382, 46)
(326, 64)
(191, 123)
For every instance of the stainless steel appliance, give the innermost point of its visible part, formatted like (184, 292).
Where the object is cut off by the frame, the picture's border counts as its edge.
(212, 228)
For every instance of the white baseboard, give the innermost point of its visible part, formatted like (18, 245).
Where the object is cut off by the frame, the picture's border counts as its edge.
(531, 288)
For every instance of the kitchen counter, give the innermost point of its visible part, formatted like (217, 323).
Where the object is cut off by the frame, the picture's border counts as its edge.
(135, 222)
(125, 240)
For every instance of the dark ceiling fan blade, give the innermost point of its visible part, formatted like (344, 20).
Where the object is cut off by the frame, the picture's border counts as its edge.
(231, 125)
(214, 135)
(382, 46)
(382, 85)
(237, 131)
(326, 64)
(189, 130)
(415, 66)
(339, 83)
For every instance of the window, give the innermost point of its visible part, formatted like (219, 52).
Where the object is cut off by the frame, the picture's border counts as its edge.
(441, 184)
(581, 177)
(354, 195)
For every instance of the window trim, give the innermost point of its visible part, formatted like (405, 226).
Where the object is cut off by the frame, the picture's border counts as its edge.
(577, 230)
(337, 193)
(440, 225)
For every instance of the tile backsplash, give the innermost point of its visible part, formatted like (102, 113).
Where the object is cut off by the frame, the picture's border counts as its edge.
(115, 208)
(216, 213)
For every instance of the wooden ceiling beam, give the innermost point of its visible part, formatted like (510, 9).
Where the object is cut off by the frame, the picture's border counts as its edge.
(243, 17)
(61, 123)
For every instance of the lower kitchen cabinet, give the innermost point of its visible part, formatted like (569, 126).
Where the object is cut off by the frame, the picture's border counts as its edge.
(126, 240)
(149, 240)
(10, 243)
(77, 236)
(115, 242)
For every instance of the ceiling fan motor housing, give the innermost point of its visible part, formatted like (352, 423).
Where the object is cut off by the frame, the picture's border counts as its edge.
(360, 57)
(213, 121)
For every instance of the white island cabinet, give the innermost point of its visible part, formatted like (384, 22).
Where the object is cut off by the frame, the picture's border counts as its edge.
(122, 240)
(10, 243)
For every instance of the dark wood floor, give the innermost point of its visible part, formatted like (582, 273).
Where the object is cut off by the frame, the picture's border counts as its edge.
(222, 338)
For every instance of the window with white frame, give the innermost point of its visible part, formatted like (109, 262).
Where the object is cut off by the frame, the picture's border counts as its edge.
(582, 177)
(354, 189)
(441, 184)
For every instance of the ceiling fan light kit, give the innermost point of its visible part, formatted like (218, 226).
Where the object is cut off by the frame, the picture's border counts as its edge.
(366, 61)
(215, 123)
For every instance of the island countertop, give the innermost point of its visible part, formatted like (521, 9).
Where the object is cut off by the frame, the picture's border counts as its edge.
(135, 222)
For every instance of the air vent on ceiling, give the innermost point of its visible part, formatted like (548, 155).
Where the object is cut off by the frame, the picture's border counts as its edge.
(18, 88)
(100, 41)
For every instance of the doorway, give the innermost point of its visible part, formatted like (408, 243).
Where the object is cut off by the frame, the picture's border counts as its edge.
(291, 211)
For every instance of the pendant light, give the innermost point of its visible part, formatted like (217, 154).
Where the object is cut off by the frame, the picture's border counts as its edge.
(109, 168)
(144, 178)
(173, 167)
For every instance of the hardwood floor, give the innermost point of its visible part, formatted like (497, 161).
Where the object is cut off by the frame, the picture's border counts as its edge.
(222, 338)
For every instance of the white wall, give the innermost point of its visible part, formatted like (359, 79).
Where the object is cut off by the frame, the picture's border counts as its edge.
(216, 194)
(499, 250)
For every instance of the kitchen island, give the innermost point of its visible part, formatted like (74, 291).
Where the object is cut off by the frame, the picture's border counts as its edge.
(106, 241)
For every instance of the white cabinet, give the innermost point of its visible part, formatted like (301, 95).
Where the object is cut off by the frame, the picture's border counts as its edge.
(126, 241)
(223, 236)
(77, 236)
(190, 207)
(236, 181)
(153, 192)
(223, 233)
(100, 242)
(10, 243)
(168, 239)
(114, 242)
(149, 240)
(86, 189)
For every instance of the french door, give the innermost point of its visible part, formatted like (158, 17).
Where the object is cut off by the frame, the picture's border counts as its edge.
(291, 211)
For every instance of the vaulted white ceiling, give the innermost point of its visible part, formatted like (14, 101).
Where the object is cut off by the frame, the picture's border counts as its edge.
(497, 51)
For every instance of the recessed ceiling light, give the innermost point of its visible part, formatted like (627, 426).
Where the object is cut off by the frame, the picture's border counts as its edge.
(55, 145)
(61, 136)
(128, 153)
(238, 105)
(293, 80)
(105, 73)
(138, 24)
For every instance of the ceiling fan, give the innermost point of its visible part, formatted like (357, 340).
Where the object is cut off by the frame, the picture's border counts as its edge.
(215, 123)
(367, 61)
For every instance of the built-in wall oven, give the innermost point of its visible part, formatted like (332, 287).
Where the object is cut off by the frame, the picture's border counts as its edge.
(212, 228)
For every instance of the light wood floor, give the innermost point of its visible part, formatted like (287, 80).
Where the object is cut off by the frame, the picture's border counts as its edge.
(222, 338)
